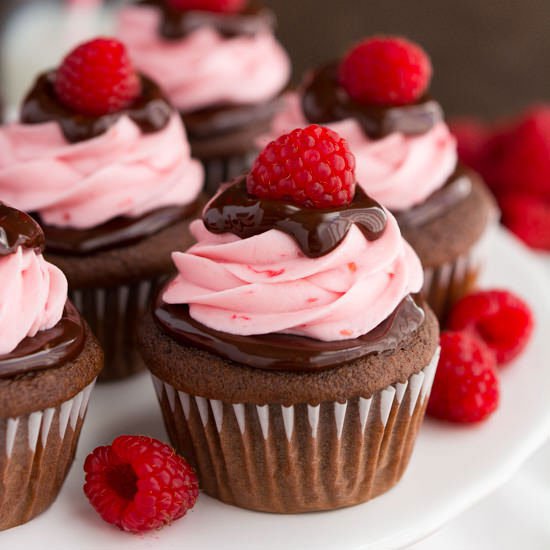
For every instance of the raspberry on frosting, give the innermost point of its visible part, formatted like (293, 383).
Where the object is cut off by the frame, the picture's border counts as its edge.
(97, 78)
(310, 167)
(221, 6)
(386, 71)
(139, 483)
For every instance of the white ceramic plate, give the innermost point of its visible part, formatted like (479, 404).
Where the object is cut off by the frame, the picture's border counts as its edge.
(452, 467)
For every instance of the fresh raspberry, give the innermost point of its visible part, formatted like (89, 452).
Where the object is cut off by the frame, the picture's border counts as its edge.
(220, 6)
(97, 78)
(385, 71)
(471, 136)
(518, 155)
(528, 217)
(499, 318)
(466, 387)
(311, 167)
(139, 483)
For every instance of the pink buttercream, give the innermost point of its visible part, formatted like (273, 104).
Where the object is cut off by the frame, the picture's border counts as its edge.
(265, 284)
(205, 68)
(33, 293)
(122, 172)
(398, 171)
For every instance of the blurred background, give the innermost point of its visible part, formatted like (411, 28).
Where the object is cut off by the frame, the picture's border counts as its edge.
(490, 56)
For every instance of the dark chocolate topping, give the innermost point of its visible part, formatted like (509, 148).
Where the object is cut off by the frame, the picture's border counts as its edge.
(457, 188)
(120, 231)
(325, 101)
(317, 232)
(18, 229)
(287, 352)
(176, 24)
(151, 111)
(48, 349)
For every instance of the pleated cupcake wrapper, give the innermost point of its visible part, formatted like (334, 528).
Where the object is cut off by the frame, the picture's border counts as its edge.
(445, 284)
(36, 453)
(303, 457)
(224, 169)
(113, 315)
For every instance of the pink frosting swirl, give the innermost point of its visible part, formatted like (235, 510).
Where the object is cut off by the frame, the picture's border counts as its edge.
(122, 172)
(205, 68)
(33, 293)
(398, 171)
(265, 284)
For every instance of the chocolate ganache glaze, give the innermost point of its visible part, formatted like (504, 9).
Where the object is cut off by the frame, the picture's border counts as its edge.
(121, 231)
(151, 111)
(287, 352)
(48, 348)
(18, 229)
(317, 232)
(177, 23)
(324, 100)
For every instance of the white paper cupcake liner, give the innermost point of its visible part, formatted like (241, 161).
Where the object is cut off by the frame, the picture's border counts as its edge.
(303, 457)
(36, 452)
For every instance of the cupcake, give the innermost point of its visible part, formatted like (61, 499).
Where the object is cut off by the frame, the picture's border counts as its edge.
(221, 66)
(377, 98)
(49, 361)
(101, 160)
(291, 359)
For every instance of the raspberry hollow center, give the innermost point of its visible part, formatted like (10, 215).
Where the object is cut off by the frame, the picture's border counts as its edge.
(123, 480)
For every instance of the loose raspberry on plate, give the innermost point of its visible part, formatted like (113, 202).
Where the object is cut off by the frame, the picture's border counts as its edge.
(221, 6)
(386, 70)
(499, 318)
(97, 78)
(139, 483)
(466, 387)
(310, 167)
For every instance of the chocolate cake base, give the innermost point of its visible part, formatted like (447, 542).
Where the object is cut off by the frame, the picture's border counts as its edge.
(289, 442)
(41, 415)
(451, 247)
(112, 290)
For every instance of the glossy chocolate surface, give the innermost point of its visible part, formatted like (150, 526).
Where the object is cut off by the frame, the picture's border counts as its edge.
(286, 352)
(455, 190)
(151, 111)
(316, 231)
(121, 231)
(177, 24)
(325, 101)
(18, 229)
(48, 349)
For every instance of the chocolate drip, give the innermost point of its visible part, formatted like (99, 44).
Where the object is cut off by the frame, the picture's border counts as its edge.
(317, 232)
(286, 352)
(151, 111)
(48, 349)
(325, 101)
(455, 190)
(177, 24)
(120, 231)
(18, 229)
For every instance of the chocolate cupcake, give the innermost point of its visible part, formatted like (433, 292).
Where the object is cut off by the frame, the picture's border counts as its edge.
(289, 341)
(108, 175)
(221, 66)
(377, 98)
(49, 361)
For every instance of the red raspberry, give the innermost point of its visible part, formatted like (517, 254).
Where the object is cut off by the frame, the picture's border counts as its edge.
(139, 483)
(518, 156)
(499, 318)
(471, 136)
(466, 387)
(311, 167)
(528, 217)
(220, 6)
(97, 78)
(386, 71)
